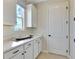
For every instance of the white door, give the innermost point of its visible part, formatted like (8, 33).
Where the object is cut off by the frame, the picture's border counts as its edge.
(58, 41)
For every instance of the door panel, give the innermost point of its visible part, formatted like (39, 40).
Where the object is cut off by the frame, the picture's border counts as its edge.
(58, 29)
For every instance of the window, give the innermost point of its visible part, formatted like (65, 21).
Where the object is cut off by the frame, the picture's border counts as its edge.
(19, 18)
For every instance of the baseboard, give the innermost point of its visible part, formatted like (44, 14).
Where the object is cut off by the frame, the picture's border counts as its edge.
(68, 56)
(45, 51)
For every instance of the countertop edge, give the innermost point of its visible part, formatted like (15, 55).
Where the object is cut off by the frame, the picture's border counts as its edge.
(7, 50)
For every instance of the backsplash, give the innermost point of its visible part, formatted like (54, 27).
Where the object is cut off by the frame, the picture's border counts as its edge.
(9, 33)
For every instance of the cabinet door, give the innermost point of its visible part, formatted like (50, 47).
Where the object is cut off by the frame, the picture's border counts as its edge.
(18, 56)
(14, 53)
(31, 15)
(28, 53)
(35, 48)
(34, 16)
(39, 45)
(9, 12)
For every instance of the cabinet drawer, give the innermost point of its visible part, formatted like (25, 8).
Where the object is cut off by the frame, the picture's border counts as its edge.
(29, 44)
(13, 52)
(35, 41)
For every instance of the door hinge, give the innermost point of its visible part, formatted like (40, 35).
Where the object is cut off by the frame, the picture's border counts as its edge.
(74, 18)
(67, 7)
(67, 37)
(66, 22)
(74, 40)
(67, 51)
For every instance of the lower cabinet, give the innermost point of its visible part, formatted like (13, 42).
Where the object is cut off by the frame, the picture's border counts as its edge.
(14, 54)
(29, 50)
(18, 56)
(37, 47)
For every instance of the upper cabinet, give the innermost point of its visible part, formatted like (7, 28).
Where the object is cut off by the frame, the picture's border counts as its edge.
(35, 1)
(31, 15)
(22, 3)
(9, 12)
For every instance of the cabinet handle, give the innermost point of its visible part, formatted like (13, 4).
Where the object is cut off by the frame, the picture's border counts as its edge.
(29, 44)
(25, 52)
(49, 35)
(22, 53)
(15, 51)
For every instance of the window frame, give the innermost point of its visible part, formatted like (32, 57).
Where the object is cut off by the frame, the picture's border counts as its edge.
(21, 17)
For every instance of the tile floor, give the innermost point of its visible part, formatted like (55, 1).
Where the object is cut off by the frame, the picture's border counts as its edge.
(50, 56)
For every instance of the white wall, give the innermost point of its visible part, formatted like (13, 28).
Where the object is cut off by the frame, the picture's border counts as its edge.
(42, 26)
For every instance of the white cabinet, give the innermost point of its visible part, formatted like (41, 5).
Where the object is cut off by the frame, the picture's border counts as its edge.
(31, 15)
(9, 12)
(21, 2)
(28, 50)
(37, 47)
(23, 52)
(14, 54)
(18, 56)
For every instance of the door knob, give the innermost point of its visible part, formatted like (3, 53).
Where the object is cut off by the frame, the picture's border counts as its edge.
(49, 35)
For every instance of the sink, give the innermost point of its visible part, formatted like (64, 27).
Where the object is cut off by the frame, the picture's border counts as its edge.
(25, 38)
